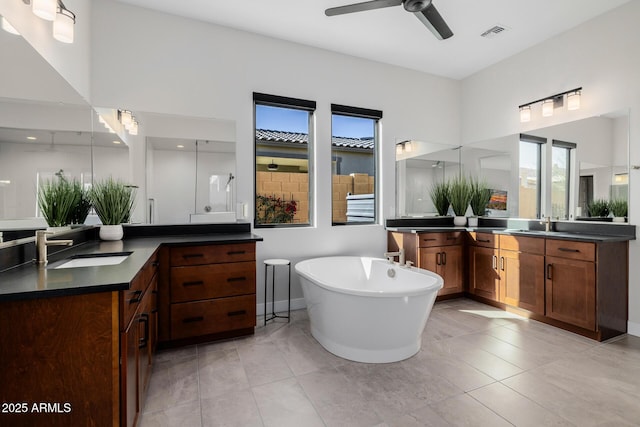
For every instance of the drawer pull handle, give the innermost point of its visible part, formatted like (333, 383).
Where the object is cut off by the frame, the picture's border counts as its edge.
(194, 283)
(484, 240)
(193, 319)
(155, 264)
(192, 255)
(494, 262)
(236, 252)
(136, 297)
(429, 240)
(144, 318)
(444, 258)
(568, 250)
(502, 263)
(451, 238)
(236, 279)
(549, 271)
(439, 258)
(237, 313)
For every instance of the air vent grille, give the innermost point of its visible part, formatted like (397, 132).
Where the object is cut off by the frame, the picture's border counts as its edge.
(494, 31)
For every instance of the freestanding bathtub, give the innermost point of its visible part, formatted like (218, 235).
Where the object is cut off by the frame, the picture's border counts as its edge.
(367, 309)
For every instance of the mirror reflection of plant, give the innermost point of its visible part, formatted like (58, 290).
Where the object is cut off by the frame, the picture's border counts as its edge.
(618, 207)
(274, 210)
(439, 193)
(57, 200)
(598, 208)
(83, 205)
(480, 196)
(460, 193)
(112, 200)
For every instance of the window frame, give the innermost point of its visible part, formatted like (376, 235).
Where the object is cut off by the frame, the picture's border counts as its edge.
(362, 113)
(532, 139)
(569, 146)
(290, 103)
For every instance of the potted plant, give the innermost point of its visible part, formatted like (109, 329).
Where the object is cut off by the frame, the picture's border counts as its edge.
(480, 196)
(598, 208)
(113, 202)
(459, 197)
(83, 205)
(618, 208)
(439, 193)
(57, 201)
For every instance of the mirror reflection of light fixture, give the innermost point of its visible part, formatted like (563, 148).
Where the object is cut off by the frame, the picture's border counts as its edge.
(404, 147)
(550, 103)
(128, 120)
(272, 166)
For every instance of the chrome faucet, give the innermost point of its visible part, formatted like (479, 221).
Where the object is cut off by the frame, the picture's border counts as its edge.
(547, 224)
(42, 243)
(391, 255)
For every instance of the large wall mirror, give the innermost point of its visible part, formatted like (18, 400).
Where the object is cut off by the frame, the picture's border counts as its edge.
(419, 165)
(191, 168)
(557, 171)
(45, 131)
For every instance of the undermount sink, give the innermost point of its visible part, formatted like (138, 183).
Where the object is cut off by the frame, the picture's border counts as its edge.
(513, 230)
(93, 260)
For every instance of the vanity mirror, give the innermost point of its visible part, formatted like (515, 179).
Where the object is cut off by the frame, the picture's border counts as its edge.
(556, 171)
(191, 167)
(418, 166)
(45, 129)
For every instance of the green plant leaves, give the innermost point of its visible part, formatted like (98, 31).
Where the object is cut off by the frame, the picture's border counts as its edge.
(112, 200)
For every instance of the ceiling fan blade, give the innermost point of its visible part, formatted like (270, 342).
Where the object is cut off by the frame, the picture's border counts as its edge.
(431, 18)
(359, 7)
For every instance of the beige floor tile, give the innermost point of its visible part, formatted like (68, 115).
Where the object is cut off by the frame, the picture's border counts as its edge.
(304, 354)
(515, 408)
(263, 363)
(237, 408)
(186, 415)
(221, 372)
(463, 410)
(457, 372)
(284, 403)
(172, 383)
(172, 354)
(487, 363)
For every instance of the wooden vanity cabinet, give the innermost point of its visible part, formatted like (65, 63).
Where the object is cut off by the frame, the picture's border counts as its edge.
(440, 252)
(521, 266)
(483, 273)
(211, 292)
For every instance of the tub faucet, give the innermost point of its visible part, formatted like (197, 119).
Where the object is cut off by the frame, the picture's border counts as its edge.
(42, 243)
(391, 255)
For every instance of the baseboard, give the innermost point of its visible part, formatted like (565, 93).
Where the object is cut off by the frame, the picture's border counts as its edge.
(280, 306)
(633, 328)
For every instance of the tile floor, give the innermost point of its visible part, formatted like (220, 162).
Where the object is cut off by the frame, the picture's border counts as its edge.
(478, 367)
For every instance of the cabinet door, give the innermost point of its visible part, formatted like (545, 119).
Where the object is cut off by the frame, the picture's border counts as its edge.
(484, 276)
(522, 280)
(129, 374)
(451, 269)
(430, 259)
(571, 291)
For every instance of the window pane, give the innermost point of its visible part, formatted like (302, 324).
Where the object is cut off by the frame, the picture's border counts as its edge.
(353, 158)
(282, 165)
(560, 183)
(529, 194)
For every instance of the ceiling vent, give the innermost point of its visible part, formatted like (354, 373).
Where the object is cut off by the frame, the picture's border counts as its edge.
(494, 31)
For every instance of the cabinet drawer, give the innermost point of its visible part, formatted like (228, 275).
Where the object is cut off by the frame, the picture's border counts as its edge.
(584, 251)
(193, 319)
(210, 254)
(194, 283)
(426, 240)
(487, 240)
(531, 245)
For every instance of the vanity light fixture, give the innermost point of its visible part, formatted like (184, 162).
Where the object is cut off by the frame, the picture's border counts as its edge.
(129, 121)
(8, 27)
(552, 102)
(54, 10)
(404, 147)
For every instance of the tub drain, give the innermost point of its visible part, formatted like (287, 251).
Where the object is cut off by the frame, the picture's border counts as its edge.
(391, 272)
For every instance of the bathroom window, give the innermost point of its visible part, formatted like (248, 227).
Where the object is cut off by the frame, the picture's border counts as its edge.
(560, 182)
(283, 156)
(530, 188)
(354, 146)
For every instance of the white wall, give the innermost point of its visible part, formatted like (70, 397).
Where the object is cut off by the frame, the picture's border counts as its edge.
(196, 69)
(602, 57)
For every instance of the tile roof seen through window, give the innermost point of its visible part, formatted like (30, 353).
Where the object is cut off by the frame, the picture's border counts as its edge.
(266, 135)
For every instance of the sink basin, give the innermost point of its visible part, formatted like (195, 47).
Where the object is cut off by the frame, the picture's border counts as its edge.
(513, 230)
(93, 260)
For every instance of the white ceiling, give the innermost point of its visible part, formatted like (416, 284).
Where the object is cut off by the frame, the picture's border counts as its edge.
(394, 36)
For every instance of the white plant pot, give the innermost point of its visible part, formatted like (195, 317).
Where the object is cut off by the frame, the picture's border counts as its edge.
(111, 232)
(459, 221)
(472, 221)
(618, 219)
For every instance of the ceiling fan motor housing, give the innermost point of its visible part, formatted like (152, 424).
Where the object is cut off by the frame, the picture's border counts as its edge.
(416, 5)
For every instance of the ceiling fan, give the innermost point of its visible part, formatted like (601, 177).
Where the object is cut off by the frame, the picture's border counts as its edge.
(424, 10)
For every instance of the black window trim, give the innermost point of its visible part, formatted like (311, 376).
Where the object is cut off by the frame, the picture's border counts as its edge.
(540, 141)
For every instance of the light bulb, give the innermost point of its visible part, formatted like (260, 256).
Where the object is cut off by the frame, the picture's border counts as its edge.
(547, 108)
(63, 26)
(525, 114)
(573, 100)
(45, 9)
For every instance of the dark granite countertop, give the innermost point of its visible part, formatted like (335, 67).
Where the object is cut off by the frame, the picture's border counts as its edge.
(30, 280)
(582, 236)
